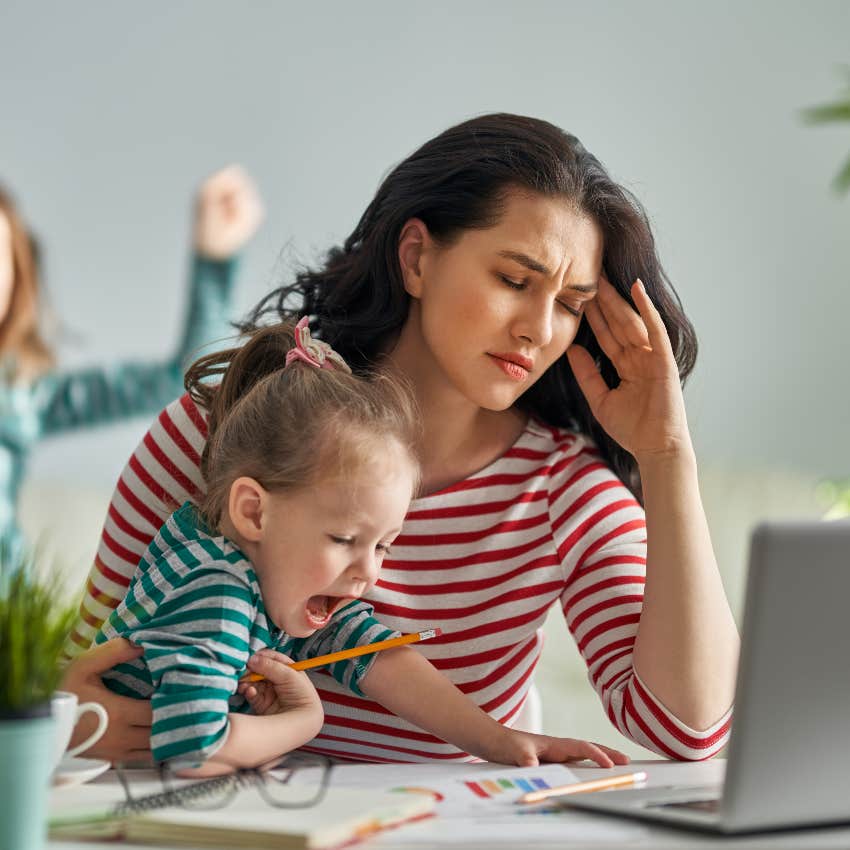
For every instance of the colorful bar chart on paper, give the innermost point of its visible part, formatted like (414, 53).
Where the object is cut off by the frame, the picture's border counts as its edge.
(488, 788)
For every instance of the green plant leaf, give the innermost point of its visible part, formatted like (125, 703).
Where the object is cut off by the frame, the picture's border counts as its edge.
(35, 620)
(828, 113)
(842, 180)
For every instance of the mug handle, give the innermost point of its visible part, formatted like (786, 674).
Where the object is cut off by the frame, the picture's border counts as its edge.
(102, 723)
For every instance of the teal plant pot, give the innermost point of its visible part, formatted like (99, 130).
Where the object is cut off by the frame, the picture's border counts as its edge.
(26, 759)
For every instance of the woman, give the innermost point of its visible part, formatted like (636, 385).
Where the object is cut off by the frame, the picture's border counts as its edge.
(36, 401)
(486, 255)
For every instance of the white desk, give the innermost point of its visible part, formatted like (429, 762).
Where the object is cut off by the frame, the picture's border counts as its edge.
(633, 833)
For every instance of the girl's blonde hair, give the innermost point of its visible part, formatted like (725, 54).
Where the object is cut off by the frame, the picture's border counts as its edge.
(21, 342)
(285, 426)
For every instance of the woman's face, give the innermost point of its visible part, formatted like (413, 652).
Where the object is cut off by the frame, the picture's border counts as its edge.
(7, 265)
(493, 311)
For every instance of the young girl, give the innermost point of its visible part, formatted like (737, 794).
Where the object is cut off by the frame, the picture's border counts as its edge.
(309, 474)
(486, 256)
(37, 402)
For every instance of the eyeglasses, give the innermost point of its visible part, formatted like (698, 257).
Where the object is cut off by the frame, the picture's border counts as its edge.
(276, 783)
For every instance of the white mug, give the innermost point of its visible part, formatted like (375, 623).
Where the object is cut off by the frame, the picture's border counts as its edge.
(66, 713)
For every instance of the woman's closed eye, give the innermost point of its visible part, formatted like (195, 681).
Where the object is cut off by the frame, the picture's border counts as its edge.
(513, 284)
(573, 308)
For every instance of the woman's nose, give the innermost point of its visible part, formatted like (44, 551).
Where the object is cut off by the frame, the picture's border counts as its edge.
(535, 324)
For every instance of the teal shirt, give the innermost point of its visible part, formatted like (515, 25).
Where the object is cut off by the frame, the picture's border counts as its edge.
(194, 604)
(61, 401)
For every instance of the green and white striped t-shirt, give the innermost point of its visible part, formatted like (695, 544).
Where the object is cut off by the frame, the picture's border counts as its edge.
(194, 604)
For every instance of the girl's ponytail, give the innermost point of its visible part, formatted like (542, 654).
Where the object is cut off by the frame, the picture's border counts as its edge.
(217, 381)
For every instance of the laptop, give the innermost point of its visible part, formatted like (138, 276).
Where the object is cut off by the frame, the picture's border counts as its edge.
(789, 752)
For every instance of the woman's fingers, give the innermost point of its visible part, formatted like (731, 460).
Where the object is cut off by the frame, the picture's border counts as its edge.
(129, 719)
(654, 325)
(626, 325)
(99, 659)
(133, 712)
(602, 331)
(594, 753)
(590, 381)
(615, 755)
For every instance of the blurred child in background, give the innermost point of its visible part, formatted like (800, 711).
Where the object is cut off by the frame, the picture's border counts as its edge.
(37, 401)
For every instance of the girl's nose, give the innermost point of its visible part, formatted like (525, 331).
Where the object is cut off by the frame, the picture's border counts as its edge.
(366, 568)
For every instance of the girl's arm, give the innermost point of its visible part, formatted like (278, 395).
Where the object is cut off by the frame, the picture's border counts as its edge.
(408, 684)
(227, 215)
(254, 740)
(103, 394)
(287, 714)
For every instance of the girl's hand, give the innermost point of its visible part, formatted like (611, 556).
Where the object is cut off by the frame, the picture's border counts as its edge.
(283, 690)
(128, 736)
(645, 414)
(228, 213)
(526, 749)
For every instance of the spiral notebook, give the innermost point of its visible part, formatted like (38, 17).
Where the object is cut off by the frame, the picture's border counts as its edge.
(344, 816)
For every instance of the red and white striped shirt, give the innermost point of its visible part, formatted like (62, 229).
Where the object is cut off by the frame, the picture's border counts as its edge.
(483, 560)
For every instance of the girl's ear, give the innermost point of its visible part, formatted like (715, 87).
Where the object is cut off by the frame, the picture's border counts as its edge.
(246, 505)
(413, 243)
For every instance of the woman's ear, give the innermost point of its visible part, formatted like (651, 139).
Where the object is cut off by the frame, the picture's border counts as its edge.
(413, 243)
(246, 505)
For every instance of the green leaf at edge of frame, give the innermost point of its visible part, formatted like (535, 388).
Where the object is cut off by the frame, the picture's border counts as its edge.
(827, 113)
(841, 184)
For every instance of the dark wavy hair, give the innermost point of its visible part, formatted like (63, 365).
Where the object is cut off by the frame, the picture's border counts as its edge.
(458, 181)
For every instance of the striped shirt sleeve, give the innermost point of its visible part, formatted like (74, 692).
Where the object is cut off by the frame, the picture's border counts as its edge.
(353, 625)
(195, 648)
(600, 534)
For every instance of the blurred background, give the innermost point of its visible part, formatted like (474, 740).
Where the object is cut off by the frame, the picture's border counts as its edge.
(112, 114)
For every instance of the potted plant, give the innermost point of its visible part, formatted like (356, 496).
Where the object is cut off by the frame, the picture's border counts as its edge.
(34, 624)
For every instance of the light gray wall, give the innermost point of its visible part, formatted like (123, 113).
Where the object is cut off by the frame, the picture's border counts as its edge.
(111, 112)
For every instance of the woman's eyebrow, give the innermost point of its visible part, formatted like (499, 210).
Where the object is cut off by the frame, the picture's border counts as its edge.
(536, 266)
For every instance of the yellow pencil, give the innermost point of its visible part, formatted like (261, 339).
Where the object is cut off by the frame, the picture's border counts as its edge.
(321, 660)
(621, 781)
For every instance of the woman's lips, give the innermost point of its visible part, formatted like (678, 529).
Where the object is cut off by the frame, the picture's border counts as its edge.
(512, 369)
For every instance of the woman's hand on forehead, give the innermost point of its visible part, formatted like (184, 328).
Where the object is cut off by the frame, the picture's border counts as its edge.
(645, 413)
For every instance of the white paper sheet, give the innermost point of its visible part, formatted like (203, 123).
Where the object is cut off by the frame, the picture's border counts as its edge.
(488, 815)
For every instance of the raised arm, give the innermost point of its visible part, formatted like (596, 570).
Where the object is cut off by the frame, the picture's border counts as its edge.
(228, 213)
(679, 644)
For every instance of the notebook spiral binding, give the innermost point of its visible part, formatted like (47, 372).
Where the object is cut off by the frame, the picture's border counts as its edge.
(186, 794)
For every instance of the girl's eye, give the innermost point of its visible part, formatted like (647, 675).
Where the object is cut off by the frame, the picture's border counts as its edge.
(343, 541)
(383, 548)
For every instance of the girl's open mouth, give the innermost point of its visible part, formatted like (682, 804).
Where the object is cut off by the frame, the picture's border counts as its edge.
(320, 609)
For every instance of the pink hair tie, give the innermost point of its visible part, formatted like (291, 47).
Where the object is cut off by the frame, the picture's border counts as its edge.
(313, 351)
